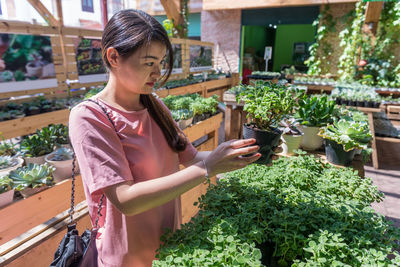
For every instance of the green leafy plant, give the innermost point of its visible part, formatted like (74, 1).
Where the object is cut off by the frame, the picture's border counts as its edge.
(6, 184)
(298, 212)
(181, 114)
(57, 133)
(36, 146)
(7, 148)
(315, 110)
(350, 134)
(267, 103)
(32, 176)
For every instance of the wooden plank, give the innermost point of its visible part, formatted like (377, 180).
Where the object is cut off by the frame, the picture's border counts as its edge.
(393, 109)
(44, 12)
(373, 11)
(7, 26)
(172, 9)
(375, 161)
(80, 85)
(201, 129)
(388, 139)
(197, 42)
(82, 32)
(39, 251)
(23, 215)
(227, 4)
(29, 124)
(27, 92)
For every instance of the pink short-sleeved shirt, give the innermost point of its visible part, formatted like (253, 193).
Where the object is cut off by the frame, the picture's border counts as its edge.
(137, 151)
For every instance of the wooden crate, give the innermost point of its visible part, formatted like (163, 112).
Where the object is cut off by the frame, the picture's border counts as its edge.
(29, 237)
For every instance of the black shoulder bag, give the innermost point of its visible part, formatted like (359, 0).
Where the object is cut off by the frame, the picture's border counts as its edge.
(75, 250)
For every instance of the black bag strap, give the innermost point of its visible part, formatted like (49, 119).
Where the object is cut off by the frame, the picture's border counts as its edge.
(72, 210)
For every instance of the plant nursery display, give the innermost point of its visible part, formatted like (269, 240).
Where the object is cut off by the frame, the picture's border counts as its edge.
(26, 57)
(265, 75)
(32, 178)
(313, 112)
(298, 212)
(88, 57)
(266, 104)
(342, 139)
(200, 57)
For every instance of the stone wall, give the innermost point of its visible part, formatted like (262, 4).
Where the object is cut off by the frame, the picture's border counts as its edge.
(223, 29)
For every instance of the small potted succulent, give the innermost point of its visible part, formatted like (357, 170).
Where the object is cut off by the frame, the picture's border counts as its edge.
(183, 117)
(7, 147)
(342, 138)
(6, 191)
(266, 104)
(9, 163)
(61, 159)
(314, 112)
(291, 136)
(32, 178)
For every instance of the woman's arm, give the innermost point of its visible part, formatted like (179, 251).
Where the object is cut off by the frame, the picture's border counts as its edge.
(200, 155)
(133, 198)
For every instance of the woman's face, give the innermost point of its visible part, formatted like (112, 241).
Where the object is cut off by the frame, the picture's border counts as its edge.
(142, 69)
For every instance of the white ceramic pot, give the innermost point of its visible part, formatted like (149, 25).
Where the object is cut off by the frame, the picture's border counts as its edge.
(6, 198)
(19, 162)
(63, 168)
(35, 160)
(32, 69)
(311, 140)
(290, 143)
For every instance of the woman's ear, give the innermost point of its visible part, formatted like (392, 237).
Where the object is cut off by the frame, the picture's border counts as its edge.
(112, 57)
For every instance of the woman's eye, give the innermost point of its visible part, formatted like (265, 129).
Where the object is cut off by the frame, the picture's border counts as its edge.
(163, 62)
(150, 64)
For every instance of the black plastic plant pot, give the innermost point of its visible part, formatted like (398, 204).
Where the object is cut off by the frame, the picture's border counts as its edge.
(266, 140)
(335, 153)
(376, 104)
(338, 101)
(360, 103)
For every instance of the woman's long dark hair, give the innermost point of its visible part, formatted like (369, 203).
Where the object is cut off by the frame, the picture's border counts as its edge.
(127, 31)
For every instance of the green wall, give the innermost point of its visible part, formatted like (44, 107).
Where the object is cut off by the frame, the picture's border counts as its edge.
(194, 23)
(286, 36)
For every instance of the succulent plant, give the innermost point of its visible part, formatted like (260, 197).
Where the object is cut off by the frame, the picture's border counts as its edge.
(32, 176)
(289, 126)
(5, 184)
(62, 153)
(7, 161)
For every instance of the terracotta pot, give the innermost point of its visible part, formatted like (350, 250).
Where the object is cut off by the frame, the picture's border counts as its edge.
(27, 192)
(311, 140)
(6, 198)
(290, 143)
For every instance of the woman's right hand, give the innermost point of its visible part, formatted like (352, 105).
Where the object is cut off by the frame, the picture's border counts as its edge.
(228, 156)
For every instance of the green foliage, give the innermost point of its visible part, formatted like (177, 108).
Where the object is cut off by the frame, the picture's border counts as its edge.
(7, 148)
(37, 145)
(321, 50)
(93, 91)
(315, 110)
(5, 184)
(169, 27)
(299, 212)
(181, 114)
(190, 104)
(59, 133)
(350, 134)
(267, 103)
(32, 176)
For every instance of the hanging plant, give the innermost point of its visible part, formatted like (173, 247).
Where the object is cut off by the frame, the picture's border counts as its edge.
(321, 50)
(351, 40)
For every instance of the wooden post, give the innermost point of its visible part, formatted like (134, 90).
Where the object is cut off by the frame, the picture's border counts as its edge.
(104, 11)
(375, 161)
(173, 10)
(372, 15)
(44, 12)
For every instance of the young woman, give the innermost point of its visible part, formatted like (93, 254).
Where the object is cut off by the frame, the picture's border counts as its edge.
(133, 158)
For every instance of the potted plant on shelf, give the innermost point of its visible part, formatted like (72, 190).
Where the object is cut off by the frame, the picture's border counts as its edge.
(266, 103)
(35, 148)
(6, 191)
(183, 117)
(291, 136)
(314, 112)
(32, 178)
(342, 138)
(59, 134)
(7, 147)
(61, 159)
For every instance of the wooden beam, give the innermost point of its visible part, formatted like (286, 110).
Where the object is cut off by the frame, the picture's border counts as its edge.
(251, 4)
(173, 10)
(44, 12)
(372, 16)
(60, 13)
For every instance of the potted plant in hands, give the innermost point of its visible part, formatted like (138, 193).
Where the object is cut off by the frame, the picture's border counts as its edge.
(61, 159)
(6, 191)
(266, 103)
(291, 136)
(32, 178)
(314, 112)
(342, 138)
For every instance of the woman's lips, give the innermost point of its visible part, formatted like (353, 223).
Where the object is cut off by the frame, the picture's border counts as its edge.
(150, 84)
